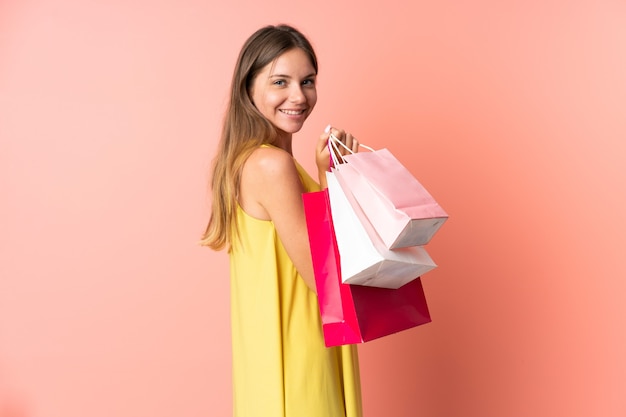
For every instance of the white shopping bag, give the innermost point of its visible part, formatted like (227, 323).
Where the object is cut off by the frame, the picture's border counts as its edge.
(364, 259)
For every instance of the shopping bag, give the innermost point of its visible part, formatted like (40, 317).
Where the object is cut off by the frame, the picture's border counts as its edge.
(399, 208)
(364, 259)
(353, 314)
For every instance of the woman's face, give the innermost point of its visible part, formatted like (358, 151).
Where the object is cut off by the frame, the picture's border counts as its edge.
(284, 91)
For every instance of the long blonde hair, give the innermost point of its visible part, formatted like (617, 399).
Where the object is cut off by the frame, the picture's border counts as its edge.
(245, 128)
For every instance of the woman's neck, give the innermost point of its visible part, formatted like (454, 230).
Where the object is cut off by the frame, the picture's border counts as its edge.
(283, 141)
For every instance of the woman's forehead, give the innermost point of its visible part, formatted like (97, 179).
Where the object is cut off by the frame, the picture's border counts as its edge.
(293, 61)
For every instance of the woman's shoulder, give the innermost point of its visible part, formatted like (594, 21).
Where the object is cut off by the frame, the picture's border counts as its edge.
(268, 161)
(268, 178)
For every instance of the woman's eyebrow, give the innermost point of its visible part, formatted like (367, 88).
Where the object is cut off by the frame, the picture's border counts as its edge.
(289, 76)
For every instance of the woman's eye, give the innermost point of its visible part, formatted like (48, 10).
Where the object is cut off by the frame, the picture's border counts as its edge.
(280, 82)
(308, 82)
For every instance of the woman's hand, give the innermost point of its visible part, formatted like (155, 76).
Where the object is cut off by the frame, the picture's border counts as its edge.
(322, 153)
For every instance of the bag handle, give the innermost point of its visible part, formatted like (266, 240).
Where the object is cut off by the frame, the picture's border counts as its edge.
(335, 155)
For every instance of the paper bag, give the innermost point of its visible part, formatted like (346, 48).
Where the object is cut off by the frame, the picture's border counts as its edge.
(354, 313)
(364, 258)
(399, 208)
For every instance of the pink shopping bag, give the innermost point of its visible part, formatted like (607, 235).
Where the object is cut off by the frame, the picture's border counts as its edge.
(355, 313)
(365, 260)
(395, 203)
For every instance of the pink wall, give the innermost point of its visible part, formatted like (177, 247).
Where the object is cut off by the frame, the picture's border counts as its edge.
(511, 114)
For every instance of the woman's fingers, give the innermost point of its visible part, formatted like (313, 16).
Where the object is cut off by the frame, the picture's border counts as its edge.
(338, 133)
(350, 142)
(355, 145)
(348, 139)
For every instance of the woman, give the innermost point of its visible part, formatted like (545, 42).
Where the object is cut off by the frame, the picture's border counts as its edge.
(280, 364)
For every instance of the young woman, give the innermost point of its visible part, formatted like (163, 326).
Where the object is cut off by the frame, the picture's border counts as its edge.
(280, 364)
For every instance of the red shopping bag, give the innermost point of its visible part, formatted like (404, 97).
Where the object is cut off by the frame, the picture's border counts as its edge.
(355, 313)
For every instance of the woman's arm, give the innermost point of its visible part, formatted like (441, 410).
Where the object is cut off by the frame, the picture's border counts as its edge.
(270, 189)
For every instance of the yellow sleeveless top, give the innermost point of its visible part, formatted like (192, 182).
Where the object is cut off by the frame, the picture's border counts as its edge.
(281, 367)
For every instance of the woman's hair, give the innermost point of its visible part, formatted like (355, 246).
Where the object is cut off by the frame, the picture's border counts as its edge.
(245, 128)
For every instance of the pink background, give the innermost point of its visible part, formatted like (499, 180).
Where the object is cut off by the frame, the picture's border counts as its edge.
(510, 113)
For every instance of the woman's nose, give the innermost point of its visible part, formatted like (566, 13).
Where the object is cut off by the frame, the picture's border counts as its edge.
(296, 94)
